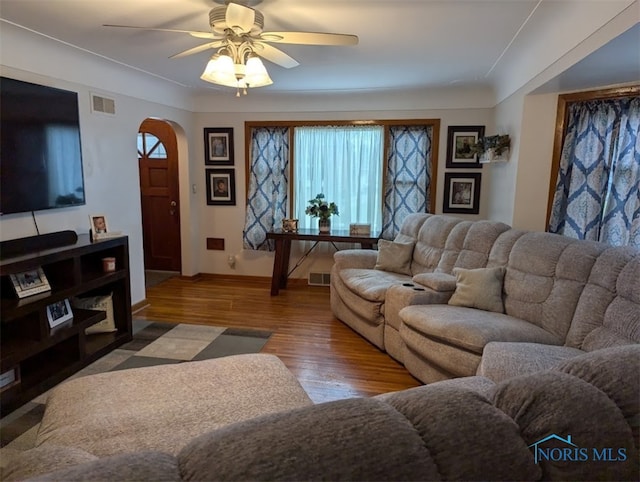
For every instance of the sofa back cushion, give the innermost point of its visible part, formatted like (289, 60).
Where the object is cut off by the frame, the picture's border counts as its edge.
(431, 244)
(545, 276)
(477, 246)
(410, 227)
(556, 411)
(608, 311)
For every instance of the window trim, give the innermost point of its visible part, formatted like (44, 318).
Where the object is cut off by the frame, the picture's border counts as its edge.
(564, 101)
(386, 124)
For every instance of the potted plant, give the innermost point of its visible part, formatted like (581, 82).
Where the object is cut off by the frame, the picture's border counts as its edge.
(321, 209)
(492, 147)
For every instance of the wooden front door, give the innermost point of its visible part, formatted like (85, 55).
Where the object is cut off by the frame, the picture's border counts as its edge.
(158, 164)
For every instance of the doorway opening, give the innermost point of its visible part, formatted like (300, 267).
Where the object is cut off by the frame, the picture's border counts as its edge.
(160, 198)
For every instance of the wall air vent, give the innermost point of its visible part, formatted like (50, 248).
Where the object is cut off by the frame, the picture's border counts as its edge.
(319, 279)
(103, 105)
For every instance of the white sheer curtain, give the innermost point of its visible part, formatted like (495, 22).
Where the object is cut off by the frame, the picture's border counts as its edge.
(63, 148)
(345, 164)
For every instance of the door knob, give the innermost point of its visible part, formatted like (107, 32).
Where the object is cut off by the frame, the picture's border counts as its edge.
(173, 204)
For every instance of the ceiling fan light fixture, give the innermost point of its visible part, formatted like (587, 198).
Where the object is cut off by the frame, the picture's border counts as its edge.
(220, 70)
(256, 73)
(223, 70)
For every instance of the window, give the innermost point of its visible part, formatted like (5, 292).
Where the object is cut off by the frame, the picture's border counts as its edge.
(345, 164)
(377, 172)
(595, 188)
(150, 146)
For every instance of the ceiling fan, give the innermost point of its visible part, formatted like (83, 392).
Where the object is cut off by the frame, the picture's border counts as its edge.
(237, 31)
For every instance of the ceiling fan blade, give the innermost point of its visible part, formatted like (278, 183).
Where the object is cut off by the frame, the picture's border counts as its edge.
(274, 55)
(309, 38)
(193, 33)
(198, 49)
(240, 17)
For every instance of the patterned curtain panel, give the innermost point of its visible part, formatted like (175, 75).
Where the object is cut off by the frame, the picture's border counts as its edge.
(268, 186)
(408, 176)
(598, 190)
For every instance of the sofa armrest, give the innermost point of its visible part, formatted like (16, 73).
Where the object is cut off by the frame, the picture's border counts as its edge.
(440, 282)
(355, 258)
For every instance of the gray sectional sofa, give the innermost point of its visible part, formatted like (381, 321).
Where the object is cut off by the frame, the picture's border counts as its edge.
(576, 422)
(452, 298)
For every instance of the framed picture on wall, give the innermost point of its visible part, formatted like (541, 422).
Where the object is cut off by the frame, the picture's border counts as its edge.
(462, 192)
(218, 146)
(221, 187)
(460, 139)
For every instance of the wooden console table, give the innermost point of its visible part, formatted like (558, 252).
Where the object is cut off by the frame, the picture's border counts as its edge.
(283, 249)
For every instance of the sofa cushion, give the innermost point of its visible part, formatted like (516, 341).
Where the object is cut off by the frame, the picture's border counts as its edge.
(110, 413)
(134, 466)
(455, 421)
(608, 311)
(479, 288)
(472, 329)
(394, 257)
(41, 460)
(553, 402)
(431, 242)
(607, 369)
(340, 440)
(545, 276)
(503, 360)
(474, 249)
(371, 284)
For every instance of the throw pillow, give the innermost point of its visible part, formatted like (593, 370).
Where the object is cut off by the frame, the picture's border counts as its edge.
(479, 288)
(394, 257)
(98, 303)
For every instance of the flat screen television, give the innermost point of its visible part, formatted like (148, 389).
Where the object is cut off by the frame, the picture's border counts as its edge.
(40, 152)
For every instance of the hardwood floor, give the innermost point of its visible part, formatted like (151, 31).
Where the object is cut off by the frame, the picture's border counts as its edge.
(330, 360)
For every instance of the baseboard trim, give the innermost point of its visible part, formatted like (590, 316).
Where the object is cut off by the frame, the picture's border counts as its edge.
(139, 306)
(237, 277)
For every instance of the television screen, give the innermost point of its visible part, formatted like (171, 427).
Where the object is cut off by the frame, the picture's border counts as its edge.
(40, 154)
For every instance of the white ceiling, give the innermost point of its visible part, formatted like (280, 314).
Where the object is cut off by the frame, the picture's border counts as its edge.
(404, 44)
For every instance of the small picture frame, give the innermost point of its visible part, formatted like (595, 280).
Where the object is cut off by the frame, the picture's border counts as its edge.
(290, 225)
(29, 283)
(59, 313)
(460, 140)
(221, 187)
(218, 146)
(462, 192)
(98, 224)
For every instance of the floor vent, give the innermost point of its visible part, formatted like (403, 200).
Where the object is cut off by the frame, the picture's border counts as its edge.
(104, 105)
(319, 279)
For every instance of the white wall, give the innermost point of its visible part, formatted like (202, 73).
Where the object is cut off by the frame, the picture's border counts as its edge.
(519, 187)
(559, 34)
(108, 142)
(519, 194)
(228, 221)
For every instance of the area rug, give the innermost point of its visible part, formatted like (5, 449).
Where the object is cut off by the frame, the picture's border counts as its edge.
(153, 278)
(153, 343)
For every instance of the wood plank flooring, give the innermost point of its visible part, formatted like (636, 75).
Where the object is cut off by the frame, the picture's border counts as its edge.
(330, 360)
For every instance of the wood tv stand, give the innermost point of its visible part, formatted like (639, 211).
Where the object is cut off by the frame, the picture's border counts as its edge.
(39, 357)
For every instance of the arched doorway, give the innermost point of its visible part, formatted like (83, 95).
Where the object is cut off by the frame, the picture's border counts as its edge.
(160, 197)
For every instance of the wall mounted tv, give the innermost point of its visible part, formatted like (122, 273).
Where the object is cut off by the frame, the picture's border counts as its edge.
(40, 153)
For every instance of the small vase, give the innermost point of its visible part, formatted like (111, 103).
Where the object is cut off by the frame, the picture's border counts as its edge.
(324, 225)
(490, 155)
